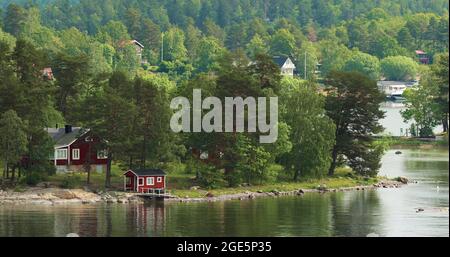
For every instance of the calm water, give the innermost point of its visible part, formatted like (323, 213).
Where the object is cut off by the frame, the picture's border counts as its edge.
(394, 123)
(386, 212)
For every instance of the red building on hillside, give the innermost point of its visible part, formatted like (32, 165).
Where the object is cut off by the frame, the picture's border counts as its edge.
(152, 181)
(422, 57)
(77, 150)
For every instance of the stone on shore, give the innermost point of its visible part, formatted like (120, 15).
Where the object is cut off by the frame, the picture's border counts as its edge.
(402, 180)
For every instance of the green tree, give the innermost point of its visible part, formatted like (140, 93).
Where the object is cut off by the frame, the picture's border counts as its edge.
(13, 141)
(405, 39)
(421, 106)
(174, 48)
(112, 124)
(363, 63)
(283, 43)
(399, 68)
(353, 103)
(440, 70)
(333, 57)
(312, 132)
(208, 52)
(72, 78)
(256, 46)
(14, 19)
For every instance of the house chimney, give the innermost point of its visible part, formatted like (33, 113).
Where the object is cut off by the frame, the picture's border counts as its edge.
(68, 129)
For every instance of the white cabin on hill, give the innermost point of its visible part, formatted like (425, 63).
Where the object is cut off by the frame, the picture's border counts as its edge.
(286, 65)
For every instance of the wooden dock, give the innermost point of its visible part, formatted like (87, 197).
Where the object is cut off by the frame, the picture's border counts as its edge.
(155, 196)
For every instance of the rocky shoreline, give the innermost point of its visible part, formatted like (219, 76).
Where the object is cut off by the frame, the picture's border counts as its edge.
(57, 196)
(322, 190)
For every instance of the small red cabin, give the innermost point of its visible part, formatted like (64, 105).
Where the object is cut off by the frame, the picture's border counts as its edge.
(151, 181)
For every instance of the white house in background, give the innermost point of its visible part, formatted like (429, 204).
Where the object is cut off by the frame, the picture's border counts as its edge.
(286, 65)
(395, 89)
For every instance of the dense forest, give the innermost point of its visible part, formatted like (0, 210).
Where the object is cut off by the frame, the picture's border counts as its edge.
(101, 83)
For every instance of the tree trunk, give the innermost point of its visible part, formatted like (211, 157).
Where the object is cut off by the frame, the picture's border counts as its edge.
(7, 171)
(445, 124)
(13, 173)
(144, 147)
(88, 167)
(297, 174)
(333, 162)
(108, 171)
(88, 179)
(5, 167)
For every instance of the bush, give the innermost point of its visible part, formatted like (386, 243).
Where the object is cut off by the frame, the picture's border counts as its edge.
(34, 178)
(273, 172)
(69, 182)
(174, 167)
(208, 176)
(233, 178)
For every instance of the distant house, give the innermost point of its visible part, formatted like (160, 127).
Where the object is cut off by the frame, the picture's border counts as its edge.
(76, 149)
(139, 48)
(48, 73)
(422, 57)
(286, 65)
(395, 89)
(151, 181)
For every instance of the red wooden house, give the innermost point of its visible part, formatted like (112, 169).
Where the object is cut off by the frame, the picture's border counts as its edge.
(76, 149)
(422, 57)
(152, 181)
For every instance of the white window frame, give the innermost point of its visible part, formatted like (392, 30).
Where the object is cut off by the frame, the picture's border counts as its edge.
(77, 155)
(139, 181)
(150, 181)
(159, 179)
(59, 151)
(102, 154)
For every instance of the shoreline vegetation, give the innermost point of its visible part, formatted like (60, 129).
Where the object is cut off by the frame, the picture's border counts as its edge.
(70, 188)
(421, 143)
(48, 194)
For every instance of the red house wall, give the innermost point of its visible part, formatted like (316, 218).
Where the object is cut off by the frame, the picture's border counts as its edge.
(84, 151)
(84, 146)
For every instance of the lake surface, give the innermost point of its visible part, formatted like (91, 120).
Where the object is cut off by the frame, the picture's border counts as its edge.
(384, 212)
(393, 123)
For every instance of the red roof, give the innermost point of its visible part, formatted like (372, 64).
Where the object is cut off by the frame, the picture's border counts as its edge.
(420, 52)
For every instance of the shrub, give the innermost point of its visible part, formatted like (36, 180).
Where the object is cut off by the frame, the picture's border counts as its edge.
(69, 182)
(34, 178)
(174, 167)
(208, 176)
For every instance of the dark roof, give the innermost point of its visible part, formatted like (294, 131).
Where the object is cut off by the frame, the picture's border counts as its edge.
(62, 138)
(280, 60)
(149, 172)
(137, 43)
